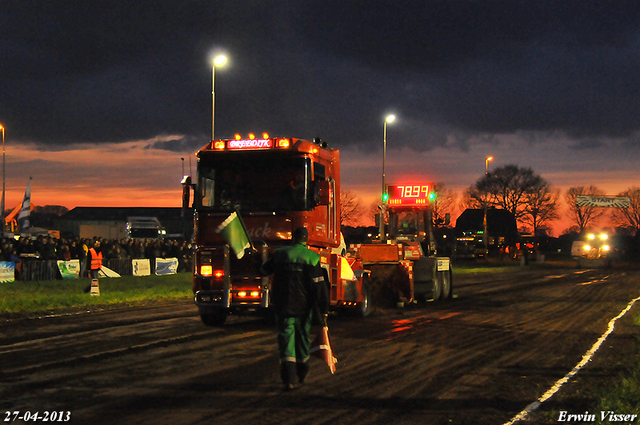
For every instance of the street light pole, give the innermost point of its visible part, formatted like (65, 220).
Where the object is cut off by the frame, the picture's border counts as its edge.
(486, 164)
(389, 119)
(219, 60)
(486, 230)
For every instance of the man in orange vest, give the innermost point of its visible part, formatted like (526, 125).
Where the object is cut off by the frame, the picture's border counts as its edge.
(94, 259)
(94, 262)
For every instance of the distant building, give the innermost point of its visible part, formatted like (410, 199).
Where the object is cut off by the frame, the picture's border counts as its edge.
(110, 222)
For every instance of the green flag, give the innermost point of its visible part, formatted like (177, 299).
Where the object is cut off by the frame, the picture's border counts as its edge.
(234, 233)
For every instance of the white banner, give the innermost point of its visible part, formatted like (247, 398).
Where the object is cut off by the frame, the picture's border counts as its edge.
(69, 269)
(141, 267)
(166, 266)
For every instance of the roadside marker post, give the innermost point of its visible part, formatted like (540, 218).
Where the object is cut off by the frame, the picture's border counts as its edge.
(95, 287)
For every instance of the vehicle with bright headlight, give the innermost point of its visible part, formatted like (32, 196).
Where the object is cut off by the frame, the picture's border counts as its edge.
(593, 250)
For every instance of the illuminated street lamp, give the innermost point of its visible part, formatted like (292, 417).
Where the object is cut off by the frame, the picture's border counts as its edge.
(218, 61)
(486, 164)
(389, 119)
(3, 181)
(485, 236)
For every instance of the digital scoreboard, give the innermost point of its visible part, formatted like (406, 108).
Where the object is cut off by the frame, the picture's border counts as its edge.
(409, 194)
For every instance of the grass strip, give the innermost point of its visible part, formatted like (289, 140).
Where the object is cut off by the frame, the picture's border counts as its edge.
(25, 298)
(623, 396)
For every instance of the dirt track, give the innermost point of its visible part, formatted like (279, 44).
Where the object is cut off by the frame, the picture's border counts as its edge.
(479, 359)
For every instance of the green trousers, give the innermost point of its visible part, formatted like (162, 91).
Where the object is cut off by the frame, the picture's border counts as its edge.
(293, 346)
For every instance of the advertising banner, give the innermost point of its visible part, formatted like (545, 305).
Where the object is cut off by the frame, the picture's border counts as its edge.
(166, 266)
(141, 267)
(7, 271)
(69, 269)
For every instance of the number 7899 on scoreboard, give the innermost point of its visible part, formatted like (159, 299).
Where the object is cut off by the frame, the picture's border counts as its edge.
(408, 194)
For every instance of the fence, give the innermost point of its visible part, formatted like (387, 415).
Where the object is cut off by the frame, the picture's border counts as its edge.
(37, 270)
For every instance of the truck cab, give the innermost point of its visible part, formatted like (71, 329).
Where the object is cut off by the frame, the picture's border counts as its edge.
(274, 185)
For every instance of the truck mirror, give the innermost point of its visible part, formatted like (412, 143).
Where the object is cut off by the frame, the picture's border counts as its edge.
(186, 191)
(322, 193)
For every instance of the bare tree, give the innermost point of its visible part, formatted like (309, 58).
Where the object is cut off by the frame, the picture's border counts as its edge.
(473, 199)
(541, 206)
(586, 215)
(629, 217)
(508, 187)
(351, 209)
(373, 212)
(443, 203)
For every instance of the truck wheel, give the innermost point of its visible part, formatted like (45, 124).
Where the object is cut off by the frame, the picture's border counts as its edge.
(363, 308)
(437, 286)
(447, 285)
(215, 318)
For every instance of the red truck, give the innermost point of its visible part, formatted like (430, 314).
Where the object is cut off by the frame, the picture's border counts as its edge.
(275, 185)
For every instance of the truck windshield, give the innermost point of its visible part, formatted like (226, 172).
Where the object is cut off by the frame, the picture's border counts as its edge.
(254, 183)
(407, 223)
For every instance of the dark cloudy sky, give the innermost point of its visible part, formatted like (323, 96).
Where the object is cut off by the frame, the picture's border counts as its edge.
(107, 87)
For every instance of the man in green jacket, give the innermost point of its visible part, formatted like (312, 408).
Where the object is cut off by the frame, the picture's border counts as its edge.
(298, 287)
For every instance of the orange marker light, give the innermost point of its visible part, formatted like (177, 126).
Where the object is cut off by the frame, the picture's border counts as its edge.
(206, 270)
(283, 143)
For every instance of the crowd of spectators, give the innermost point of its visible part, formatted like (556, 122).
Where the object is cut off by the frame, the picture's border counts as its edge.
(50, 248)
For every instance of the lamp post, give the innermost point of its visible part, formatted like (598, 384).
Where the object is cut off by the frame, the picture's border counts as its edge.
(3, 181)
(218, 61)
(486, 231)
(389, 119)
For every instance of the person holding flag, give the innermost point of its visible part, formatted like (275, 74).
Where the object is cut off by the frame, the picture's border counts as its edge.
(298, 287)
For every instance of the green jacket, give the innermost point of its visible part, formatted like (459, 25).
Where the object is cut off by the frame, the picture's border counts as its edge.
(298, 281)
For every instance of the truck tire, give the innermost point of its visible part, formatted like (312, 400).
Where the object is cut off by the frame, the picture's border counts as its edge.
(447, 285)
(363, 308)
(437, 286)
(214, 318)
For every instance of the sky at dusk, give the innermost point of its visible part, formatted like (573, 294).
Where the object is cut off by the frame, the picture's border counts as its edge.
(102, 100)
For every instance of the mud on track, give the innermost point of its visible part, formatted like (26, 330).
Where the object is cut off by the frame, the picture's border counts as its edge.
(479, 359)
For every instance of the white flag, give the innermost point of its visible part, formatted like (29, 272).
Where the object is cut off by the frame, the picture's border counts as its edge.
(25, 211)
